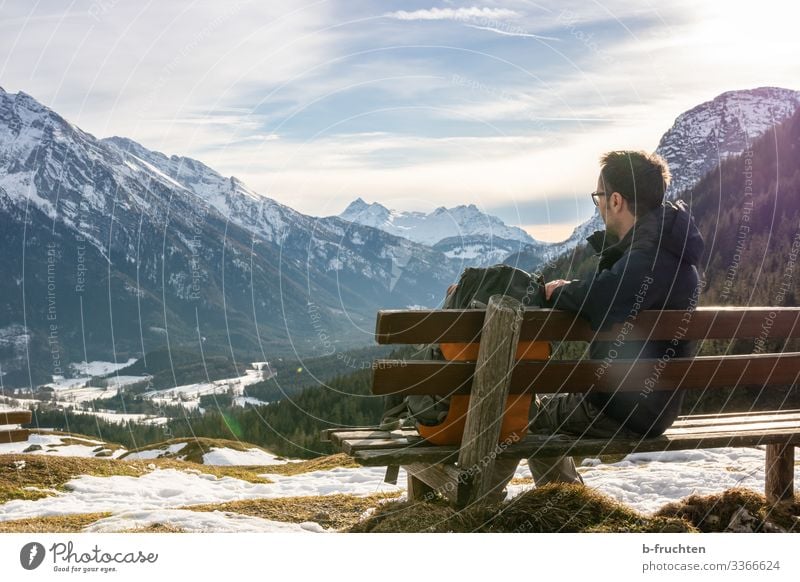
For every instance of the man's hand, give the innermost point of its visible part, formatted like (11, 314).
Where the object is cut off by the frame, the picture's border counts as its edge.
(550, 285)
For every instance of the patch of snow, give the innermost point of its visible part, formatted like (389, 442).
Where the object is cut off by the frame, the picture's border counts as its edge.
(254, 456)
(348, 481)
(100, 368)
(199, 521)
(121, 418)
(245, 400)
(156, 453)
(54, 445)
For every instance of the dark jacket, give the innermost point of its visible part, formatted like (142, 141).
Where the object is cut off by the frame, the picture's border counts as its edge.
(654, 266)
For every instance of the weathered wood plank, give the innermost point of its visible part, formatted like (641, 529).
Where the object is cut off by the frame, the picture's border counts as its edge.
(336, 438)
(446, 480)
(392, 472)
(417, 489)
(325, 433)
(14, 435)
(779, 480)
(736, 419)
(15, 416)
(357, 441)
(455, 325)
(443, 378)
(728, 414)
(743, 427)
(554, 447)
(492, 379)
(350, 446)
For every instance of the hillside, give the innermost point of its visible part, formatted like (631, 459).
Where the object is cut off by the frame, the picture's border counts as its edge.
(748, 210)
(123, 249)
(63, 487)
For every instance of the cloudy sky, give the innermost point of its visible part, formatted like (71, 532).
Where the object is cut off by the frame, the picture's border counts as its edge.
(506, 105)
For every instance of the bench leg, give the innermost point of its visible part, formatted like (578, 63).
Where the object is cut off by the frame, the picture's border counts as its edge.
(418, 490)
(779, 484)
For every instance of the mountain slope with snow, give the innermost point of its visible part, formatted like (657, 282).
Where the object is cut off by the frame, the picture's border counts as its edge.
(187, 496)
(702, 137)
(167, 248)
(430, 228)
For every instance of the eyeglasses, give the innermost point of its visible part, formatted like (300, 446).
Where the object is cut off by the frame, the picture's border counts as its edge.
(595, 196)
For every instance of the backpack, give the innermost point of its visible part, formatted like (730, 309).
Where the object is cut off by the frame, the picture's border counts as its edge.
(441, 420)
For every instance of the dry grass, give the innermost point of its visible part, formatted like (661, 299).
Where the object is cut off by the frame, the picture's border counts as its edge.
(330, 511)
(339, 460)
(44, 474)
(71, 523)
(154, 528)
(195, 447)
(713, 513)
(552, 508)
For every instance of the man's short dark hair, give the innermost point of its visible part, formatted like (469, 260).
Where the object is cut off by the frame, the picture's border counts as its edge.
(640, 178)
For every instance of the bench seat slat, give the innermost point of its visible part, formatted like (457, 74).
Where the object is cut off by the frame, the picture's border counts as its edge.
(735, 420)
(354, 443)
(14, 435)
(443, 378)
(722, 415)
(349, 446)
(746, 427)
(15, 416)
(404, 447)
(339, 436)
(544, 448)
(684, 420)
(464, 325)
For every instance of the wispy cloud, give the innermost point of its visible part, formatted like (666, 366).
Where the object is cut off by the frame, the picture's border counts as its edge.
(473, 13)
(511, 32)
(315, 102)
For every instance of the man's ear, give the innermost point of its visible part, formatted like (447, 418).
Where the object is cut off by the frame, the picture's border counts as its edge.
(621, 202)
(617, 200)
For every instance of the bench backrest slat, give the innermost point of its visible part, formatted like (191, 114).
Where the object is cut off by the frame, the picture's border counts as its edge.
(454, 325)
(444, 378)
(15, 416)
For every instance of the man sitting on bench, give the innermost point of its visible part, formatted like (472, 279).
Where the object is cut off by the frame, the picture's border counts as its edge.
(648, 257)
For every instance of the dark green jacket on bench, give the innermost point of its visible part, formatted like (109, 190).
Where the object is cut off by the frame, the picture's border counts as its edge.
(654, 266)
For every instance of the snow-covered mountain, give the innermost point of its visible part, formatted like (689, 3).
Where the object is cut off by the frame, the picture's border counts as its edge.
(463, 233)
(431, 228)
(725, 126)
(707, 134)
(121, 249)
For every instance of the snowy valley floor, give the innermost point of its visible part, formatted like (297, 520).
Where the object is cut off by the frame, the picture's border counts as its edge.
(64, 486)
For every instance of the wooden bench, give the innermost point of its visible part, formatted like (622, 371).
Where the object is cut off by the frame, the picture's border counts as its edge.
(463, 474)
(10, 421)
